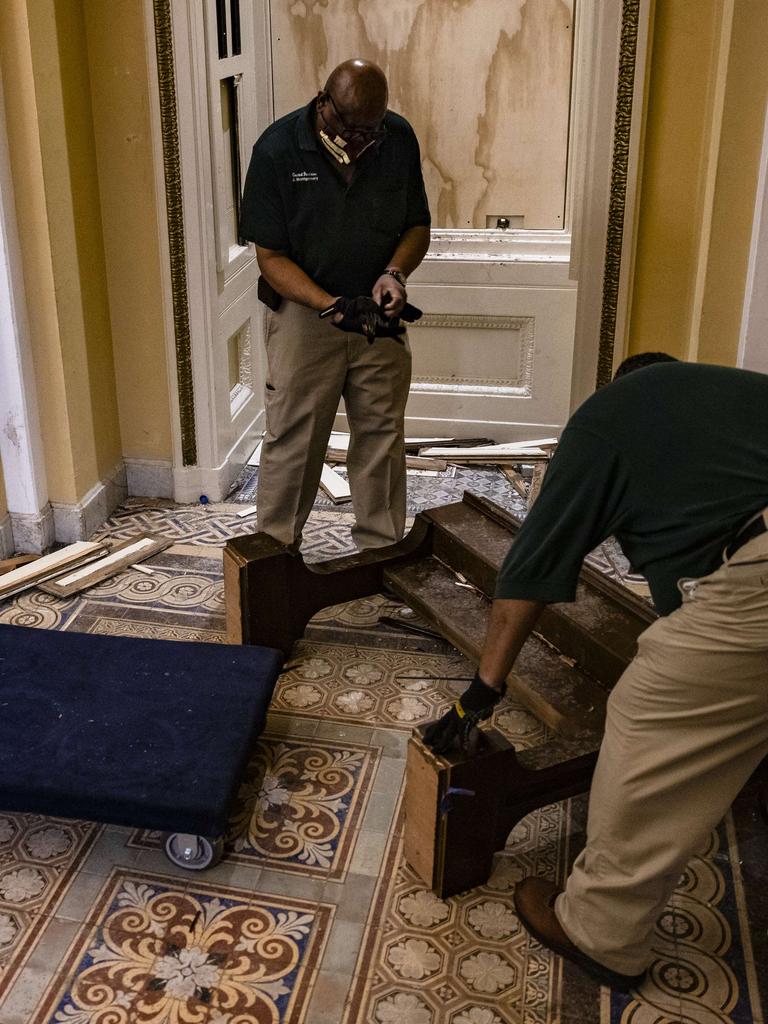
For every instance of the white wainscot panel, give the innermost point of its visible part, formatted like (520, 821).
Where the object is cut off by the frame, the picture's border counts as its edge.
(493, 353)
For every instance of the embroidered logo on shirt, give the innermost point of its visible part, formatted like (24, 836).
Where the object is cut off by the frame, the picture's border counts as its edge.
(301, 177)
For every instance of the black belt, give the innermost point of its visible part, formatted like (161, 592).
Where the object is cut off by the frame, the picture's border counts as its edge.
(753, 529)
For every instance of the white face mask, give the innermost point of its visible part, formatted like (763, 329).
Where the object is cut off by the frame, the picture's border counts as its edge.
(336, 147)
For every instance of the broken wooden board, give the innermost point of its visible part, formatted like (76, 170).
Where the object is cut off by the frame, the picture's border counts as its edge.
(48, 566)
(255, 457)
(334, 485)
(516, 479)
(535, 486)
(510, 451)
(8, 564)
(136, 549)
(489, 455)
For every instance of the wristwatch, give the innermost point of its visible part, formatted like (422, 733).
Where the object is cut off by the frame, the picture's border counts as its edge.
(398, 275)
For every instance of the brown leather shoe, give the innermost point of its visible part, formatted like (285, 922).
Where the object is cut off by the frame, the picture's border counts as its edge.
(535, 905)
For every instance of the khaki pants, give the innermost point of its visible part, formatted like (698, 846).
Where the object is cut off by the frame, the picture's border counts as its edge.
(311, 366)
(687, 724)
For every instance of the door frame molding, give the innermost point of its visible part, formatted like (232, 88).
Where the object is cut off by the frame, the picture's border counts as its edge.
(752, 351)
(611, 51)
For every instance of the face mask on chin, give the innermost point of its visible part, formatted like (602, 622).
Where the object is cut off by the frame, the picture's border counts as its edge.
(336, 147)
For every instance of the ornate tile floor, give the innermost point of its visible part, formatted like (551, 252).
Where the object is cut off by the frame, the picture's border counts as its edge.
(313, 916)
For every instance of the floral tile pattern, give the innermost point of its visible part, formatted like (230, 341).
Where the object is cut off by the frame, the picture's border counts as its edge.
(38, 858)
(699, 971)
(186, 955)
(463, 960)
(356, 683)
(299, 807)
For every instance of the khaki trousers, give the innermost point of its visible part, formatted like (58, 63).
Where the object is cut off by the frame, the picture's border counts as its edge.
(311, 366)
(687, 724)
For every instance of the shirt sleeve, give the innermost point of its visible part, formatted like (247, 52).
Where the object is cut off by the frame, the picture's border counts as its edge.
(417, 212)
(580, 504)
(262, 214)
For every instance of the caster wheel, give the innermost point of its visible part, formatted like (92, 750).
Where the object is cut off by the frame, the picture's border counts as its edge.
(195, 853)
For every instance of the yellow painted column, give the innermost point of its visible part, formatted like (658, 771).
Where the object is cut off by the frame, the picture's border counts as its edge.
(681, 94)
(741, 138)
(43, 56)
(705, 110)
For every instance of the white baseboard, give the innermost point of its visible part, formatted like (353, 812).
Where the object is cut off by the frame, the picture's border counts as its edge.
(190, 483)
(31, 533)
(79, 520)
(149, 478)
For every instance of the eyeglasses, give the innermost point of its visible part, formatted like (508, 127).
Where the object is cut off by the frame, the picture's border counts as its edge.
(350, 133)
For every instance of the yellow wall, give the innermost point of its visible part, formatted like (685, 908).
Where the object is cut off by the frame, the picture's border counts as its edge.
(737, 172)
(63, 91)
(76, 90)
(53, 163)
(685, 38)
(699, 177)
(122, 129)
(32, 216)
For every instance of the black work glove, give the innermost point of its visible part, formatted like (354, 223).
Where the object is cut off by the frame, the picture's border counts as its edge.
(475, 705)
(363, 316)
(358, 315)
(390, 326)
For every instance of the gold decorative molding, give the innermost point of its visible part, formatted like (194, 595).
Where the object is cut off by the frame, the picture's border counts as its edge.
(175, 217)
(523, 329)
(621, 136)
(473, 321)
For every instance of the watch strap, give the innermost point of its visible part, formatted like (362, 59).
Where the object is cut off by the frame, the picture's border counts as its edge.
(398, 275)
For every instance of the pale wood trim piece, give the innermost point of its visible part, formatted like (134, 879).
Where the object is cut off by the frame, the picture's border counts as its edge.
(334, 485)
(49, 565)
(136, 549)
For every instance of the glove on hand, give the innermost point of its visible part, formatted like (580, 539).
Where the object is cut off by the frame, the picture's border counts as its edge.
(475, 705)
(358, 315)
(362, 316)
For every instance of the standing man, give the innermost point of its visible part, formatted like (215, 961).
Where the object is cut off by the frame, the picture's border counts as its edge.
(335, 202)
(671, 459)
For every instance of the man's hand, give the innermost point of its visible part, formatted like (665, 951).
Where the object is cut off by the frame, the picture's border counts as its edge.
(363, 316)
(357, 315)
(475, 705)
(389, 295)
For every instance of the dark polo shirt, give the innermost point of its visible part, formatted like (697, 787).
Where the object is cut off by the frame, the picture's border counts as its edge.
(342, 235)
(671, 460)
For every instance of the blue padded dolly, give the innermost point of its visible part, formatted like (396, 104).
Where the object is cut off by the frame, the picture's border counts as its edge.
(149, 733)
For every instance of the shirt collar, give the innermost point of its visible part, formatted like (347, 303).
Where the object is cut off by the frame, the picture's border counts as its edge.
(305, 127)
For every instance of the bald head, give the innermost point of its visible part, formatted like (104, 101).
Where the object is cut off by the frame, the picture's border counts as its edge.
(359, 89)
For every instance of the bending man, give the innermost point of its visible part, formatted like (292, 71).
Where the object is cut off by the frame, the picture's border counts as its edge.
(672, 460)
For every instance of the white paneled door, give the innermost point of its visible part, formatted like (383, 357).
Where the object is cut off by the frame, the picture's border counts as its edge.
(509, 338)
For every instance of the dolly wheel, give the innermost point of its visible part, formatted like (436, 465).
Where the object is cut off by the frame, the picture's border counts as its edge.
(196, 853)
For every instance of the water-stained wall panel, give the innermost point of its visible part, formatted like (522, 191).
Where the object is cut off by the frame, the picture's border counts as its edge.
(485, 83)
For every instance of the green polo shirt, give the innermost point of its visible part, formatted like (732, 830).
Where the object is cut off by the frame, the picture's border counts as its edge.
(342, 235)
(671, 460)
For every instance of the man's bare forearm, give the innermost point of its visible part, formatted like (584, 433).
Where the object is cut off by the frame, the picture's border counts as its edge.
(411, 249)
(510, 625)
(290, 281)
